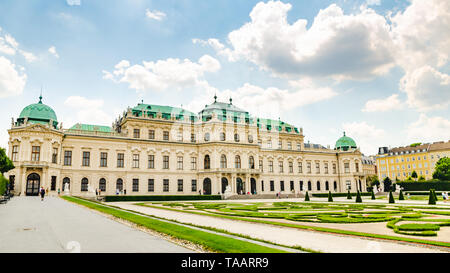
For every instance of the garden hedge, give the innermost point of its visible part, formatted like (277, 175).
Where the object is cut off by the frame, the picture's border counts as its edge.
(121, 198)
(340, 194)
(425, 186)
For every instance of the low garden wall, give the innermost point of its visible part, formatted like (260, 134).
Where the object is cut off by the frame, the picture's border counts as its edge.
(131, 198)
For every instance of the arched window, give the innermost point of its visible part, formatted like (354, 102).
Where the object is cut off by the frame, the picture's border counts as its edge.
(237, 162)
(222, 136)
(309, 185)
(327, 187)
(223, 162)
(236, 137)
(250, 139)
(251, 162)
(335, 186)
(318, 185)
(207, 162)
(102, 184)
(207, 137)
(84, 184)
(119, 184)
(66, 182)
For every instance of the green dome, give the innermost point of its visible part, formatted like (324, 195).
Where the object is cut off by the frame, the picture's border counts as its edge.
(345, 142)
(38, 113)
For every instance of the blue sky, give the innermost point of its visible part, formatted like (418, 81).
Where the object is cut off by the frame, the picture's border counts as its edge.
(377, 69)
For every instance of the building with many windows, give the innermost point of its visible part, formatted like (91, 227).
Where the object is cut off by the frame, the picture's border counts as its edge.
(154, 149)
(400, 162)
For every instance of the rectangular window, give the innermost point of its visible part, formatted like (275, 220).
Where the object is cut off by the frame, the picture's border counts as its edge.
(347, 167)
(193, 163)
(151, 134)
(289, 145)
(192, 137)
(55, 155)
(179, 163)
(166, 135)
(298, 146)
(53, 184)
(194, 185)
(272, 185)
(151, 161)
(136, 161)
(137, 133)
(281, 185)
(280, 166)
(12, 180)
(86, 158)
(348, 183)
(120, 160)
(292, 185)
(317, 167)
(300, 167)
(301, 185)
(180, 185)
(269, 144)
(166, 185)
(151, 185)
(357, 167)
(291, 167)
(308, 167)
(326, 168)
(280, 144)
(103, 159)
(262, 185)
(135, 185)
(271, 166)
(67, 158)
(35, 153)
(334, 168)
(180, 136)
(15, 153)
(166, 162)
(261, 165)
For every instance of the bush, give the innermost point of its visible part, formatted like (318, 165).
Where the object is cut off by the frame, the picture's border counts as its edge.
(425, 186)
(330, 197)
(391, 198)
(3, 184)
(306, 197)
(373, 195)
(349, 196)
(340, 194)
(401, 197)
(121, 198)
(358, 197)
(431, 200)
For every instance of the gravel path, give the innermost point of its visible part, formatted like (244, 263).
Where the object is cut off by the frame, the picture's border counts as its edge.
(287, 236)
(54, 225)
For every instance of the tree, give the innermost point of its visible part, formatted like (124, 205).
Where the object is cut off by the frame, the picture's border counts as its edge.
(330, 197)
(5, 163)
(373, 195)
(349, 195)
(431, 200)
(3, 184)
(387, 184)
(358, 197)
(421, 178)
(391, 198)
(414, 174)
(442, 169)
(401, 197)
(306, 196)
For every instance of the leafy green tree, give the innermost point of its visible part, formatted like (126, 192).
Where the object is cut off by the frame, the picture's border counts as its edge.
(442, 169)
(387, 184)
(358, 197)
(3, 184)
(306, 196)
(391, 198)
(330, 197)
(5, 163)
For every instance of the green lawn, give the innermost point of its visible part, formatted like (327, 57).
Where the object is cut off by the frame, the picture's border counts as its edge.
(212, 242)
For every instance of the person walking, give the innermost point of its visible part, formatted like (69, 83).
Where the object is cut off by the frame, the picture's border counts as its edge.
(59, 191)
(42, 192)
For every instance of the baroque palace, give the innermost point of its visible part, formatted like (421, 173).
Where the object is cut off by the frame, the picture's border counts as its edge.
(162, 150)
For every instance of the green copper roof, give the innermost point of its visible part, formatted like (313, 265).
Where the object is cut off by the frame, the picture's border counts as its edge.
(38, 112)
(92, 128)
(345, 143)
(166, 111)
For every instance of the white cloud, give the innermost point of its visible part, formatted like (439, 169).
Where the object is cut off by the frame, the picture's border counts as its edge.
(373, 2)
(9, 46)
(366, 136)
(427, 88)
(52, 50)
(5, 48)
(29, 57)
(157, 15)
(163, 74)
(12, 82)
(73, 2)
(87, 111)
(355, 46)
(429, 129)
(383, 105)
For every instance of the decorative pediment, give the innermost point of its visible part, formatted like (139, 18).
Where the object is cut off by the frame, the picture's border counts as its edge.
(151, 151)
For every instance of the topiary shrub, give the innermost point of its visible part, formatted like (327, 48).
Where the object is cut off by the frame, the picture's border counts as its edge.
(358, 197)
(401, 197)
(330, 197)
(306, 196)
(373, 195)
(349, 195)
(431, 198)
(435, 195)
(391, 198)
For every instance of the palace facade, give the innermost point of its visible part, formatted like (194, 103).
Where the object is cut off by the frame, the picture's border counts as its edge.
(163, 150)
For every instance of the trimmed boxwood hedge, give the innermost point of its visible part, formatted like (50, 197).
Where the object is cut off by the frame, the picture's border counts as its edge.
(340, 194)
(121, 198)
(425, 186)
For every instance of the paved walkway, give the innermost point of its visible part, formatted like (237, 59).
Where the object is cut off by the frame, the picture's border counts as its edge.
(287, 236)
(55, 225)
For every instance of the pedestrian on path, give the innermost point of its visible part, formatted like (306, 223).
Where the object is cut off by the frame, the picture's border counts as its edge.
(42, 192)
